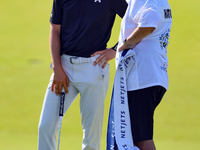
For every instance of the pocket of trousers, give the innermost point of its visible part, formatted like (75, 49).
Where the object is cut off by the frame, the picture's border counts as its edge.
(105, 70)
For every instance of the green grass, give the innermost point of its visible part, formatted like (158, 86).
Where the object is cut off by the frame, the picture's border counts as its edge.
(24, 66)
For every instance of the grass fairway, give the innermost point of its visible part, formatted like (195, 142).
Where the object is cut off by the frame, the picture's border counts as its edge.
(24, 66)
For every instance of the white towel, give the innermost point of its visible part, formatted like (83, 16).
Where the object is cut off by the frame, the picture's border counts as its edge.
(119, 135)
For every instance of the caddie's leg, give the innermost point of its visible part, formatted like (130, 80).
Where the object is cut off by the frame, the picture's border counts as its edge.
(49, 119)
(92, 110)
(146, 145)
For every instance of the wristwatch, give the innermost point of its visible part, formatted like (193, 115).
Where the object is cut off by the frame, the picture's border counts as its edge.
(126, 44)
(115, 47)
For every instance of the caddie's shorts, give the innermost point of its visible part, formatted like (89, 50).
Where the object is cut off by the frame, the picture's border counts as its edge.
(142, 104)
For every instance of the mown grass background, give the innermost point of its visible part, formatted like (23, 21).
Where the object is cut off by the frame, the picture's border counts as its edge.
(24, 75)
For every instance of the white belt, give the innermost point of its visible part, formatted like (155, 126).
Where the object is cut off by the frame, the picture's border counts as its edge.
(79, 60)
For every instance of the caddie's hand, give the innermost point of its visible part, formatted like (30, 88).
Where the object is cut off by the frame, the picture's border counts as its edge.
(122, 47)
(105, 56)
(60, 79)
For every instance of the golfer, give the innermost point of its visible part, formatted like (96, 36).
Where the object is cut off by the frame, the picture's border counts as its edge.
(79, 29)
(145, 30)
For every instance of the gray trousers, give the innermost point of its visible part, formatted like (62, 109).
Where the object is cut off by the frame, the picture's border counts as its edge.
(92, 84)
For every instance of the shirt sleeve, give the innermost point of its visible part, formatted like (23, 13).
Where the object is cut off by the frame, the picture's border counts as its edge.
(57, 12)
(119, 7)
(148, 18)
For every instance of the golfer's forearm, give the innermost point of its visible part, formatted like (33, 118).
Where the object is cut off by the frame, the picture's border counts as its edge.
(54, 41)
(138, 34)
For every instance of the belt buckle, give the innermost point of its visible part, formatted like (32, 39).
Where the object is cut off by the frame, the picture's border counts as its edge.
(72, 58)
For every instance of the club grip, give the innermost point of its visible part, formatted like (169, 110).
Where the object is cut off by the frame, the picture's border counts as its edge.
(62, 100)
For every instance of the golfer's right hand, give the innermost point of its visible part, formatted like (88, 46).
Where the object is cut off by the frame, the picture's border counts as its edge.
(60, 79)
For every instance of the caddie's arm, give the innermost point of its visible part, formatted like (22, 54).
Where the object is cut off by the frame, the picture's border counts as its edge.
(137, 35)
(60, 79)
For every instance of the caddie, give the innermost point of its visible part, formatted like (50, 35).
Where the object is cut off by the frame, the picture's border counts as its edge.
(145, 30)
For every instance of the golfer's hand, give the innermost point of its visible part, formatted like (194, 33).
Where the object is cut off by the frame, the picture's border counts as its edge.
(105, 56)
(60, 79)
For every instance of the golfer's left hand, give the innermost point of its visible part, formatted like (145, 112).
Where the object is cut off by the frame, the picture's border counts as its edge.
(105, 56)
